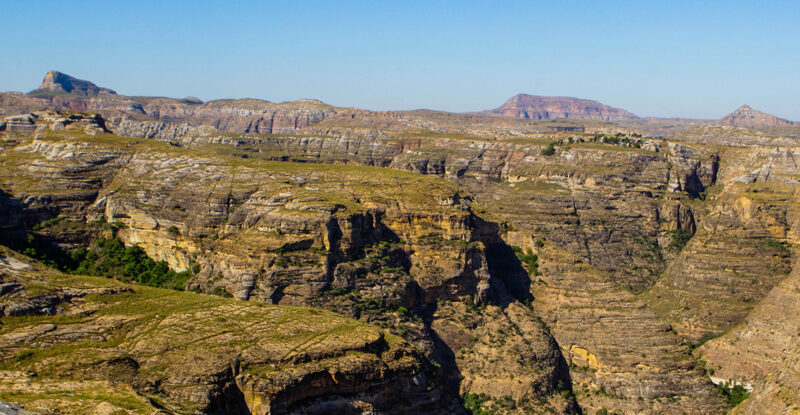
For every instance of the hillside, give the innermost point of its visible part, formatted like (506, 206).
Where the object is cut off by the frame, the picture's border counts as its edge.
(76, 345)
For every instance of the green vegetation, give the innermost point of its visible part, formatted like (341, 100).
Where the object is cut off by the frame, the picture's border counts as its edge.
(222, 292)
(474, 403)
(336, 292)
(679, 239)
(733, 392)
(39, 248)
(106, 258)
(549, 150)
(781, 246)
(529, 259)
(47, 223)
(706, 337)
(110, 258)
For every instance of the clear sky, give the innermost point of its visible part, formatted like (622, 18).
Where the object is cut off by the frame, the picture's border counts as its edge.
(654, 58)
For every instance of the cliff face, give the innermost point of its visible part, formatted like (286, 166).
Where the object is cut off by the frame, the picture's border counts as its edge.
(619, 213)
(591, 199)
(125, 113)
(749, 302)
(392, 248)
(390, 239)
(543, 108)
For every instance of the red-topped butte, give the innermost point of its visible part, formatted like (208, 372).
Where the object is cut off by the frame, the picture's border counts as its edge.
(543, 107)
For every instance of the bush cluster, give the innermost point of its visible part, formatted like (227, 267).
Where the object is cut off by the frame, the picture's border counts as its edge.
(110, 258)
(529, 259)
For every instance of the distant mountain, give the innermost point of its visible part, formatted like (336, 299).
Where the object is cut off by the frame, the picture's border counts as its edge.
(543, 107)
(60, 83)
(164, 117)
(747, 117)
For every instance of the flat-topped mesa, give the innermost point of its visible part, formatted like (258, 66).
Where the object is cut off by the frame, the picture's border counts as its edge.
(747, 117)
(59, 82)
(544, 108)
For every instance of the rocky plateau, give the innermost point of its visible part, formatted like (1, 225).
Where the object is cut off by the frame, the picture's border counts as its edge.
(552, 256)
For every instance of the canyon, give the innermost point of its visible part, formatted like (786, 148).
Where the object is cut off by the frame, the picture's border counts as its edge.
(554, 255)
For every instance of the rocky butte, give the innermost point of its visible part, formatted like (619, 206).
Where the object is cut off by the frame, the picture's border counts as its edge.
(545, 108)
(172, 256)
(747, 117)
(60, 83)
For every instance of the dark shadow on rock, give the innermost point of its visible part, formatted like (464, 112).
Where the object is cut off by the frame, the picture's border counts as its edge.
(228, 400)
(563, 384)
(448, 373)
(503, 264)
(506, 267)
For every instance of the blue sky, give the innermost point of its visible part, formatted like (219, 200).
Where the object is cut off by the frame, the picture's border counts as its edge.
(654, 58)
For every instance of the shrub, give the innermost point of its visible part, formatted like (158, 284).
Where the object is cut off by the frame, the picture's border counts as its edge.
(222, 292)
(529, 259)
(48, 223)
(110, 258)
(706, 337)
(473, 403)
(549, 150)
(734, 393)
(280, 262)
(679, 239)
(337, 291)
